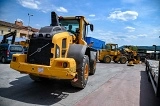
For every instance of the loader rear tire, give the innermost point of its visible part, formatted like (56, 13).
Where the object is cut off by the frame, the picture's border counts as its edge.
(123, 60)
(83, 73)
(93, 67)
(107, 59)
(35, 78)
(38, 79)
(3, 60)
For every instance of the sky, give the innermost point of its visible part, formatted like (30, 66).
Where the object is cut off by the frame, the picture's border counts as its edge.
(124, 22)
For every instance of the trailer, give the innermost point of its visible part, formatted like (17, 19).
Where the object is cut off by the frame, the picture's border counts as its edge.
(153, 72)
(98, 44)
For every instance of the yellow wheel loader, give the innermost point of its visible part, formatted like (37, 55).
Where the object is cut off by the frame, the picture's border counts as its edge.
(56, 53)
(131, 53)
(111, 53)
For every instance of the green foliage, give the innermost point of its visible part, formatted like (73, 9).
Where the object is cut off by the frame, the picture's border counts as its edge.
(134, 48)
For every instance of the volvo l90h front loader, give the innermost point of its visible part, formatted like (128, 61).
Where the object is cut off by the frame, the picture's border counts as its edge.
(56, 52)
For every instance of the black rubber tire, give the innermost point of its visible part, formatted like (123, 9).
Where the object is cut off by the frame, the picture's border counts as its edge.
(35, 78)
(38, 79)
(123, 60)
(101, 61)
(3, 60)
(82, 81)
(93, 67)
(107, 59)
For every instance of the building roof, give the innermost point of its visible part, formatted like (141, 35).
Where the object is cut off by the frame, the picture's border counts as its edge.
(7, 24)
(12, 25)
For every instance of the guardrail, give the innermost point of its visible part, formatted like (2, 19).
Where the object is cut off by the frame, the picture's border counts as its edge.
(153, 72)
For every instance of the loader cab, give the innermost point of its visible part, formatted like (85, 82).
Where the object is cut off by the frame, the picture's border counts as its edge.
(70, 25)
(112, 47)
(77, 26)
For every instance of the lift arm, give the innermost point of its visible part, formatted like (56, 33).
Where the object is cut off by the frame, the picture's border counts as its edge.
(13, 34)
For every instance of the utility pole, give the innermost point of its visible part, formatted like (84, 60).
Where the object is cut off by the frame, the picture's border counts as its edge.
(29, 15)
(155, 51)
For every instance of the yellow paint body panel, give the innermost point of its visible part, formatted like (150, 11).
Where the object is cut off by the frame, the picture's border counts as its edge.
(112, 54)
(55, 70)
(111, 50)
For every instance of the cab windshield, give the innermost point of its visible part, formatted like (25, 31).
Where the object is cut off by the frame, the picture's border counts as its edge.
(70, 24)
(108, 47)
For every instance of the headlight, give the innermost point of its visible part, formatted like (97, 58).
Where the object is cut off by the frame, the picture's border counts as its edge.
(33, 36)
(65, 65)
(58, 52)
(48, 35)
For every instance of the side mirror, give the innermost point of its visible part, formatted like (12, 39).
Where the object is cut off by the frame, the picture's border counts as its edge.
(91, 27)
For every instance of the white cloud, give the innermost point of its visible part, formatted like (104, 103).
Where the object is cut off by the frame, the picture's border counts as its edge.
(93, 18)
(19, 20)
(142, 35)
(156, 31)
(130, 29)
(37, 25)
(44, 6)
(33, 4)
(62, 9)
(37, 2)
(124, 16)
(133, 37)
(92, 15)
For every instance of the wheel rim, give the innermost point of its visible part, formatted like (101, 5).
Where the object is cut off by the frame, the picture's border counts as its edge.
(123, 60)
(3, 59)
(107, 59)
(86, 72)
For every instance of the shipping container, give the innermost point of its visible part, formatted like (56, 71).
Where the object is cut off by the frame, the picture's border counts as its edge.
(98, 44)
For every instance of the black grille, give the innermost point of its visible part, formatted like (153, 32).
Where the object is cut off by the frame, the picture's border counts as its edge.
(39, 51)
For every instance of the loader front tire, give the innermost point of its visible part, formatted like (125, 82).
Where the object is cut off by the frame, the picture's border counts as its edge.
(83, 73)
(93, 67)
(35, 78)
(38, 79)
(3, 60)
(107, 59)
(123, 60)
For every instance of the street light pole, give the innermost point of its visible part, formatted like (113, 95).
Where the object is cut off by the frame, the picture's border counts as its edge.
(29, 15)
(155, 51)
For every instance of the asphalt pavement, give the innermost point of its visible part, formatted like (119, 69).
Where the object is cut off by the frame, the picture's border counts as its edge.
(128, 88)
(112, 85)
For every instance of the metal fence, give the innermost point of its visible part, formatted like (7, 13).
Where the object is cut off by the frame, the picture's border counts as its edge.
(153, 72)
